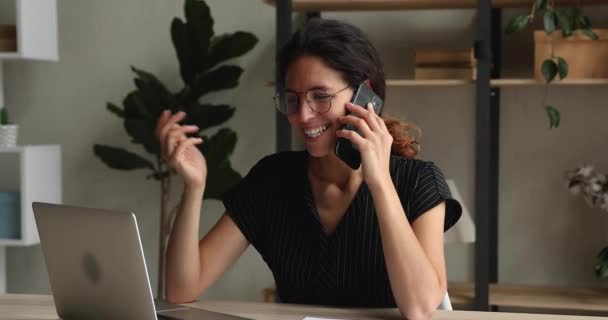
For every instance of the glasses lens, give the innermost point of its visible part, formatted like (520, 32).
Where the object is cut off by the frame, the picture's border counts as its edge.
(285, 103)
(319, 100)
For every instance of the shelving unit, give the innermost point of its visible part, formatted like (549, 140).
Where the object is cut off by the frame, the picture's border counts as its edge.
(485, 293)
(39, 166)
(495, 83)
(39, 179)
(378, 5)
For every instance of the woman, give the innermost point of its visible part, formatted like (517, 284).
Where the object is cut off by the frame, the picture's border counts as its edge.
(371, 237)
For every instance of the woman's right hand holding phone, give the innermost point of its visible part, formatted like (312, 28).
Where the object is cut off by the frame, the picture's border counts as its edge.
(179, 151)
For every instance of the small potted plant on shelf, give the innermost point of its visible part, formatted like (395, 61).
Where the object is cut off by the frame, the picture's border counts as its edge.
(593, 186)
(8, 131)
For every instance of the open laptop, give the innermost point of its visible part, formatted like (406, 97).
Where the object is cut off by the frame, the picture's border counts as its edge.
(96, 266)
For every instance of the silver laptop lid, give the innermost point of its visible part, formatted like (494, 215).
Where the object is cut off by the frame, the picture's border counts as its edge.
(95, 263)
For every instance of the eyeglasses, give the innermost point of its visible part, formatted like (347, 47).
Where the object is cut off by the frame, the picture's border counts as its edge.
(318, 100)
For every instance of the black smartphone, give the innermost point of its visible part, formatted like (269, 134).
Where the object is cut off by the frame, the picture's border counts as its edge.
(345, 149)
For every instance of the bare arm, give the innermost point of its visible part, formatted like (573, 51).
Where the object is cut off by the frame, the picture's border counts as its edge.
(193, 265)
(414, 254)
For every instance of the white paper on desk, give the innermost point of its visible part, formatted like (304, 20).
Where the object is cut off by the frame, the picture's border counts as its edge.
(313, 318)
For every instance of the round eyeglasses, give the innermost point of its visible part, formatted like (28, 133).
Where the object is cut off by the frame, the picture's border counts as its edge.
(318, 100)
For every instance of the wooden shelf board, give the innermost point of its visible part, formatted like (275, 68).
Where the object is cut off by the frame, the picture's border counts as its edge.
(541, 297)
(493, 82)
(368, 5)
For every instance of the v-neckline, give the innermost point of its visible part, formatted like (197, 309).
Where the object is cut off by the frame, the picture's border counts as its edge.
(313, 205)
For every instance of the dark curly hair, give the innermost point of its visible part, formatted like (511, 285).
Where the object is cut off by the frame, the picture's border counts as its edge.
(345, 48)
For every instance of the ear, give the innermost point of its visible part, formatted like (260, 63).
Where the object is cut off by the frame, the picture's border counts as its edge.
(368, 82)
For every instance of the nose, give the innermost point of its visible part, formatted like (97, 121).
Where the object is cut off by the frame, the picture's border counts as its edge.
(304, 112)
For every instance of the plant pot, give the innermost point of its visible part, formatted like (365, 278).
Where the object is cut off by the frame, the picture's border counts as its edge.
(586, 58)
(8, 135)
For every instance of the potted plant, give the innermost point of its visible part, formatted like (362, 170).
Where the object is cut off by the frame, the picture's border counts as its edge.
(569, 20)
(8, 131)
(200, 54)
(593, 187)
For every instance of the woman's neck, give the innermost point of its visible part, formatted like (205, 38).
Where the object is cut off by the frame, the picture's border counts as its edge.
(332, 170)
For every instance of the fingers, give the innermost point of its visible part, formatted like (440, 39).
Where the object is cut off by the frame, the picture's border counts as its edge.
(358, 123)
(185, 143)
(162, 119)
(175, 135)
(166, 122)
(366, 113)
(352, 136)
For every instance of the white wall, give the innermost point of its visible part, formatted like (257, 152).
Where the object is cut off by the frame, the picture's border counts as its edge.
(546, 236)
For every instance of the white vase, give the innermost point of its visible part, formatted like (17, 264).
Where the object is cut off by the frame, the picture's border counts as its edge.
(8, 135)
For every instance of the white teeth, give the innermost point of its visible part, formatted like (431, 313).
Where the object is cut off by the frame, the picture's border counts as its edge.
(315, 132)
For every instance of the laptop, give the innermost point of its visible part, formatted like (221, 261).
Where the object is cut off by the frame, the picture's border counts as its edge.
(96, 266)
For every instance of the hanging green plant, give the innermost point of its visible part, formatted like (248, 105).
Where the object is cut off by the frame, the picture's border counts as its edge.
(568, 20)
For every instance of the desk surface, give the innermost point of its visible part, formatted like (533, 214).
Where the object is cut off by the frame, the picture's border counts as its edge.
(39, 307)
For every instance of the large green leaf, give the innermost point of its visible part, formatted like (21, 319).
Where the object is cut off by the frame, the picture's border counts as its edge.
(186, 57)
(218, 147)
(590, 34)
(601, 264)
(206, 115)
(554, 116)
(230, 46)
(200, 27)
(191, 39)
(3, 115)
(518, 23)
(134, 106)
(541, 4)
(117, 158)
(115, 110)
(562, 68)
(566, 24)
(220, 179)
(154, 94)
(142, 131)
(224, 77)
(584, 22)
(549, 70)
(549, 21)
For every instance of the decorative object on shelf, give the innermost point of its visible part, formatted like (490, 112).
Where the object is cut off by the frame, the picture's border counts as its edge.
(434, 64)
(200, 54)
(8, 131)
(9, 215)
(593, 187)
(570, 20)
(464, 230)
(8, 38)
(587, 58)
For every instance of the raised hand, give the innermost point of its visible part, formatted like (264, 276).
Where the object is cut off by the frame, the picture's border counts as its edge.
(179, 151)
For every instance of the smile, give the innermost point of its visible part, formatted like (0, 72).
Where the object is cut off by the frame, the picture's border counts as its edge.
(313, 133)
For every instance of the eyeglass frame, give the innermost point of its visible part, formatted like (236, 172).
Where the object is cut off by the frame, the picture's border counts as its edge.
(331, 97)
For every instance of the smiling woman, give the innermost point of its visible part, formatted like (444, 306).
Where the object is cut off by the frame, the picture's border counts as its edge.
(330, 234)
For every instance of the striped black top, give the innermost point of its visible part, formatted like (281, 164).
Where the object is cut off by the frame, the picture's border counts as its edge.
(274, 208)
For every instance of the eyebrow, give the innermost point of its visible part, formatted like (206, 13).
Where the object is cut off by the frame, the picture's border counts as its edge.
(311, 88)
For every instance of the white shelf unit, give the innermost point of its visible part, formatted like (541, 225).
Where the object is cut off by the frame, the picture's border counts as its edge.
(36, 24)
(39, 178)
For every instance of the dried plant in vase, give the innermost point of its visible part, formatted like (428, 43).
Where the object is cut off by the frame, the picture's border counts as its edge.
(593, 187)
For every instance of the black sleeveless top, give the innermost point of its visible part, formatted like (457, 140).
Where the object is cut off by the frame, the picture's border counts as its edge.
(274, 208)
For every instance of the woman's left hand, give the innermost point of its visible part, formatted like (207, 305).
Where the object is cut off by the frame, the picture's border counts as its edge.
(374, 142)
